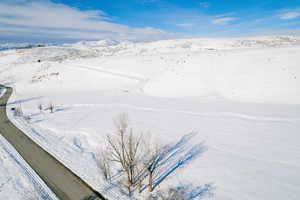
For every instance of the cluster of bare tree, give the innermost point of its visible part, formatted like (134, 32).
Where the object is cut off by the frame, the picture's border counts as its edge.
(123, 150)
(18, 111)
(135, 165)
(184, 192)
(50, 107)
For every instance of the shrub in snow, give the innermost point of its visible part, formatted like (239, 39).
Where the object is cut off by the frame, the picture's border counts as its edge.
(40, 107)
(103, 162)
(27, 118)
(51, 107)
(18, 112)
(185, 192)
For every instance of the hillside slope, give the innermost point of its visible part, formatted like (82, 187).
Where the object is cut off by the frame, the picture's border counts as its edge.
(241, 95)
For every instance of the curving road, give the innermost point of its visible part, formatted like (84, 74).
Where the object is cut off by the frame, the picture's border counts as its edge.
(61, 180)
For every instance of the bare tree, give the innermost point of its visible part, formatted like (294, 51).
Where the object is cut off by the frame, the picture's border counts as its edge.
(104, 165)
(183, 192)
(51, 107)
(135, 164)
(125, 150)
(40, 107)
(152, 165)
(18, 112)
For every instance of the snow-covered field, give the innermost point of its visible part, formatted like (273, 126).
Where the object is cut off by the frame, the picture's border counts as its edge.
(242, 96)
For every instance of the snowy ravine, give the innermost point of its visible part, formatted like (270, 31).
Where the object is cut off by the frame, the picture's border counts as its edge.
(241, 95)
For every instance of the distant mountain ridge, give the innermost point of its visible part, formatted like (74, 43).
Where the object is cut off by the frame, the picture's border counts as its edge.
(9, 46)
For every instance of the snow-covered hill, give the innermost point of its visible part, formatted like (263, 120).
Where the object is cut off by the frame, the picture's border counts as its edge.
(241, 95)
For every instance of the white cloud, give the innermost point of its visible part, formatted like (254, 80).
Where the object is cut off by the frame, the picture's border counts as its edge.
(185, 25)
(204, 4)
(223, 20)
(52, 19)
(289, 15)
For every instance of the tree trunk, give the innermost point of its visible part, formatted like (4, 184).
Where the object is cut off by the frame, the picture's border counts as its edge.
(150, 186)
(129, 187)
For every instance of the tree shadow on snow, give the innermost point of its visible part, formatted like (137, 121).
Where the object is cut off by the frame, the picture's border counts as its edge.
(22, 101)
(170, 159)
(61, 109)
(176, 156)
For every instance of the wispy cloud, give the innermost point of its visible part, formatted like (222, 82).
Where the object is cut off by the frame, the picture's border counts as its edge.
(289, 15)
(223, 20)
(185, 25)
(52, 19)
(205, 4)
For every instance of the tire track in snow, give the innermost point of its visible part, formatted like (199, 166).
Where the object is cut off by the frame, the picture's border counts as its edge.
(250, 157)
(201, 114)
(113, 73)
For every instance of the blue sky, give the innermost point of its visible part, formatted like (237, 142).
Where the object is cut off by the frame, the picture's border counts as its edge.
(140, 20)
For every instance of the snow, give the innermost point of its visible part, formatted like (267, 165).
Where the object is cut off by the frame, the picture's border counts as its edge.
(26, 184)
(268, 76)
(241, 95)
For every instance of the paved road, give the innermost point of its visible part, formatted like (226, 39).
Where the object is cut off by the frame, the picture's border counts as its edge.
(64, 183)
